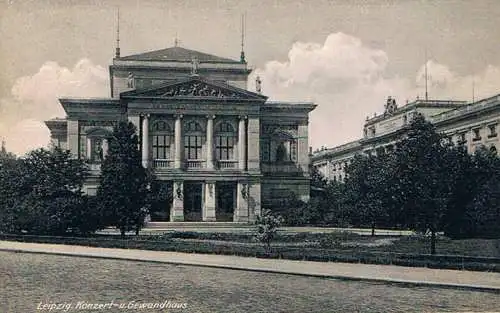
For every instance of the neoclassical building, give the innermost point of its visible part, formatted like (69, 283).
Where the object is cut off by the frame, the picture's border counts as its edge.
(471, 124)
(225, 151)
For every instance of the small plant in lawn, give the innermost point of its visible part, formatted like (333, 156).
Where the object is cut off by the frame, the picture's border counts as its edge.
(267, 225)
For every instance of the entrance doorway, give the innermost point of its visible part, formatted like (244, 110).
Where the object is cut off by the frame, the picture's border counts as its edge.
(192, 201)
(226, 201)
(161, 204)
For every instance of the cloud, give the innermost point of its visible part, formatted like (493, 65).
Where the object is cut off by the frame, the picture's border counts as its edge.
(34, 99)
(348, 80)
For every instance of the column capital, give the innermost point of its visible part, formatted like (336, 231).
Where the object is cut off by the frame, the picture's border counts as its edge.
(146, 115)
(210, 116)
(242, 117)
(179, 116)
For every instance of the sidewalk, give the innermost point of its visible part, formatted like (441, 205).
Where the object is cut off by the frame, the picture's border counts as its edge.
(379, 273)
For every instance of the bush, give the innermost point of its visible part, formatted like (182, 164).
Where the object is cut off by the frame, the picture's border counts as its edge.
(267, 226)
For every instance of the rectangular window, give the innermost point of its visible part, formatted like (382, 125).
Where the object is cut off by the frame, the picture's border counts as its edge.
(161, 147)
(224, 147)
(96, 150)
(293, 150)
(192, 146)
(265, 150)
(493, 131)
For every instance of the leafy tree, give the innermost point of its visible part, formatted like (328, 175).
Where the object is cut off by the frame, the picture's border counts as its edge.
(367, 179)
(424, 177)
(43, 192)
(124, 188)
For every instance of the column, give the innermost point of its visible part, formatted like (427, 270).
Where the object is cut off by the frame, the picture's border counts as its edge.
(253, 133)
(208, 214)
(89, 148)
(242, 150)
(105, 147)
(177, 211)
(241, 212)
(145, 140)
(210, 135)
(178, 141)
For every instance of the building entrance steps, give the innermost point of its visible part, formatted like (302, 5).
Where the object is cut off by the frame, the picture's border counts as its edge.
(377, 273)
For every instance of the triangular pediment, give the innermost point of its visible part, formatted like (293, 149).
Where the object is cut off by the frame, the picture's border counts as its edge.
(195, 87)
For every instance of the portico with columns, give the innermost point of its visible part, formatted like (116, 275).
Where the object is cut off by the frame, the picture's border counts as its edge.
(201, 133)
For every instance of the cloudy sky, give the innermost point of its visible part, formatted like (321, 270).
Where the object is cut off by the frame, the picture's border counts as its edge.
(347, 56)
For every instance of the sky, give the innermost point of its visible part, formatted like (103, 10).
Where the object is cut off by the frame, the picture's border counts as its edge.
(346, 56)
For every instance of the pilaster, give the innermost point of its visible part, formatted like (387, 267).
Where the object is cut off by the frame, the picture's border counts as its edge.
(241, 212)
(254, 201)
(302, 147)
(253, 144)
(177, 212)
(73, 137)
(208, 213)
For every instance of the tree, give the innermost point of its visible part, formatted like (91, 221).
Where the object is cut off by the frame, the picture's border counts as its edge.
(43, 192)
(367, 179)
(124, 188)
(423, 177)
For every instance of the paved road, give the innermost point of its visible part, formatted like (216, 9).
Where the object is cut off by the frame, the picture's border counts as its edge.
(385, 273)
(29, 281)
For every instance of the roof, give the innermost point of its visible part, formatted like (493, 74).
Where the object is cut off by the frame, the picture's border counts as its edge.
(176, 54)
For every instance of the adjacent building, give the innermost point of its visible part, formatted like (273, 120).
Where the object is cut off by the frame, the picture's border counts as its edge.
(464, 123)
(225, 151)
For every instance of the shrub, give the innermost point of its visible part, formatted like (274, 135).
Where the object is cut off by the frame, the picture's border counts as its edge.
(267, 226)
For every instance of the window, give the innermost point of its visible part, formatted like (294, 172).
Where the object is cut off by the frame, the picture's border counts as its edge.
(477, 134)
(287, 151)
(162, 140)
(493, 130)
(161, 147)
(225, 141)
(265, 150)
(96, 150)
(372, 131)
(193, 140)
(293, 150)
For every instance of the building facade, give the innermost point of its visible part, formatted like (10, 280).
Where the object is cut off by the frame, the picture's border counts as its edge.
(225, 151)
(472, 125)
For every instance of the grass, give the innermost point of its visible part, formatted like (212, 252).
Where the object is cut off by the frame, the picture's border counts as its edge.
(405, 251)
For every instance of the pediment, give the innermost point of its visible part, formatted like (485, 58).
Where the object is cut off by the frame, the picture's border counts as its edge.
(195, 88)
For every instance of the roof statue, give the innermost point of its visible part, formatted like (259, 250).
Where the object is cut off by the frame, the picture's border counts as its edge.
(258, 84)
(390, 106)
(195, 64)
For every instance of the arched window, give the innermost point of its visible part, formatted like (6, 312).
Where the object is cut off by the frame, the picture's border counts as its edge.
(162, 140)
(194, 137)
(225, 140)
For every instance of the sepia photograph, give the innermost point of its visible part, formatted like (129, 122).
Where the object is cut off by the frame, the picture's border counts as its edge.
(207, 156)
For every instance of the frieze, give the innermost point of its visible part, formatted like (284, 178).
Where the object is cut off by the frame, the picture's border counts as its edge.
(196, 89)
(271, 129)
(98, 123)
